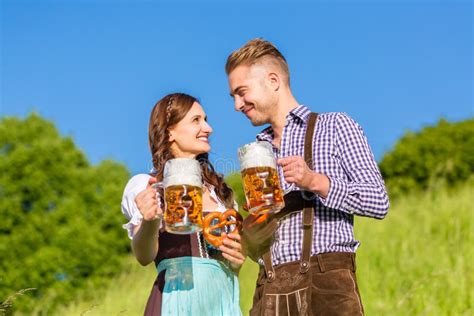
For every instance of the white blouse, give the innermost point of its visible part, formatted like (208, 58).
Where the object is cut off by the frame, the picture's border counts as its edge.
(137, 184)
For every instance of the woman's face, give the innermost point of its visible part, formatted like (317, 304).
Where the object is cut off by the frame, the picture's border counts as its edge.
(189, 137)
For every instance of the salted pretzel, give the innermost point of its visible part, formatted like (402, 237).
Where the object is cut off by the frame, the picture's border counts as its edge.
(224, 221)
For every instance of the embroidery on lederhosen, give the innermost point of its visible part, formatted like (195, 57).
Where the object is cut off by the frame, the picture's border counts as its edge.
(273, 301)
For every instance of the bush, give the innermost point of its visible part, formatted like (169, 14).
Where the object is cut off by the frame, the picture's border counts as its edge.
(59, 220)
(437, 155)
(234, 180)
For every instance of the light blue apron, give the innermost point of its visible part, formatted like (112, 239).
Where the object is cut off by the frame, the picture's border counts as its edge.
(199, 286)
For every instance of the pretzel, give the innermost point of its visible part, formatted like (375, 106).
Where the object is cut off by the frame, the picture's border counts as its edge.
(224, 221)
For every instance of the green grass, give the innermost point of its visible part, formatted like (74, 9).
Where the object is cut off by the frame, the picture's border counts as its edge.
(247, 278)
(126, 294)
(417, 261)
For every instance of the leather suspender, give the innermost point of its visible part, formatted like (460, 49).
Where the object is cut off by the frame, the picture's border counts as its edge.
(307, 211)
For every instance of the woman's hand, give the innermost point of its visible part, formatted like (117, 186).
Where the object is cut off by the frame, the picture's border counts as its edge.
(232, 250)
(147, 202)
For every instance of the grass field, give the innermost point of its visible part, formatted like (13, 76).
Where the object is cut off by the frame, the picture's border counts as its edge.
(417, 261)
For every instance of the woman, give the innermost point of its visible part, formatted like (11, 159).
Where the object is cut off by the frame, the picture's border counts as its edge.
(193, 277)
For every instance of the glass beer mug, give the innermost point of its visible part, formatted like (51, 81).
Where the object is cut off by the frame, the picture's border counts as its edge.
(182, 185)
(260, 178)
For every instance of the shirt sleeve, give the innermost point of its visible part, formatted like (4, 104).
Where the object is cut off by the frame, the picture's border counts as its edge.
(130, 210)
(362, 191)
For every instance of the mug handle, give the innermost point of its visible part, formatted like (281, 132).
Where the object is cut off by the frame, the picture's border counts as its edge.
(158, 185)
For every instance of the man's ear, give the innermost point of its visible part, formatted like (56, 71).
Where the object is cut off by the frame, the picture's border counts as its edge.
(274, 80)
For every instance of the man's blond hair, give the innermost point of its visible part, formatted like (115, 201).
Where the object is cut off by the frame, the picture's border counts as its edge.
(254, 51)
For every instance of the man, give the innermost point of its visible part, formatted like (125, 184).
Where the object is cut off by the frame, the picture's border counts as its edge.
(342, 176)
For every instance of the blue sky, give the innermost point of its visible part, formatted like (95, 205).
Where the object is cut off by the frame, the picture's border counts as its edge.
(96, 68)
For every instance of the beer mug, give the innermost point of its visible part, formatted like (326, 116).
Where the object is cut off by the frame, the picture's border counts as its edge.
(182, 185)
(260, 178)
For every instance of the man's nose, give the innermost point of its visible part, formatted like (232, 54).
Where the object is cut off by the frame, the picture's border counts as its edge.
(238, 103)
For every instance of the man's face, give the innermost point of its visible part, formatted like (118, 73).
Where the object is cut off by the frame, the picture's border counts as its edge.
(253, 96)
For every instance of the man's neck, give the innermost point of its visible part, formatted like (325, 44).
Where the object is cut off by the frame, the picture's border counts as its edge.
(278, 121)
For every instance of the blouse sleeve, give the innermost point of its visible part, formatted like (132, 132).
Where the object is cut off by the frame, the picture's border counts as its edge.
(134, 186)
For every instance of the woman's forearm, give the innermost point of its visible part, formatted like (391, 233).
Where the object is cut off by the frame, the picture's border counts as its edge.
(145, 241)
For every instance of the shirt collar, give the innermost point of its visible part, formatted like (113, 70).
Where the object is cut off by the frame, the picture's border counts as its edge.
(300, 113)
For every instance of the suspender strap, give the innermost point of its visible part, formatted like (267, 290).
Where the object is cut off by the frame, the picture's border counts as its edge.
(308, 212)
(308, 140)
(268, 266)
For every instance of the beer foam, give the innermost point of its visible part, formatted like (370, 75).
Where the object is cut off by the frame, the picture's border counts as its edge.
(257, 161)
(182, 171)
(257, 154)
(182, 179)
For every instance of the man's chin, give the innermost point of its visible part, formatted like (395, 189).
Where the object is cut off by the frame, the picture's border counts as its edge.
(257, 122)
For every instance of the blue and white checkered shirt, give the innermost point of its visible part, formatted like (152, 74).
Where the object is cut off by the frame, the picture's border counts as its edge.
(341, 152)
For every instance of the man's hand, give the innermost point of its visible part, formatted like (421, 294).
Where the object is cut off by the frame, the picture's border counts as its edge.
(295, 170)
(257, 234)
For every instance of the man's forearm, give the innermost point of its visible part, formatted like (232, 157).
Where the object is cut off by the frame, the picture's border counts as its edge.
(254, 250)
(257, 236)
(319, 184)
(358, 198)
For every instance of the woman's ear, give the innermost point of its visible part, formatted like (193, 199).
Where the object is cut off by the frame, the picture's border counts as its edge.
(170, 137)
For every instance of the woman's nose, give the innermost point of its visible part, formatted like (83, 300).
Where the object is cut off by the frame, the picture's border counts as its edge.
(207, 128)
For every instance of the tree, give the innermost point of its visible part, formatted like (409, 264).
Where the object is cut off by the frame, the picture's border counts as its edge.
(438, 154)
(60, 222)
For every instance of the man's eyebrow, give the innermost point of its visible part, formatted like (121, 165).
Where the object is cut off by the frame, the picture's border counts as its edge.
(236, 90)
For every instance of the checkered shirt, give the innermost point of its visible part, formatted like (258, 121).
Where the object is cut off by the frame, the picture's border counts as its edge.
(341, 152)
